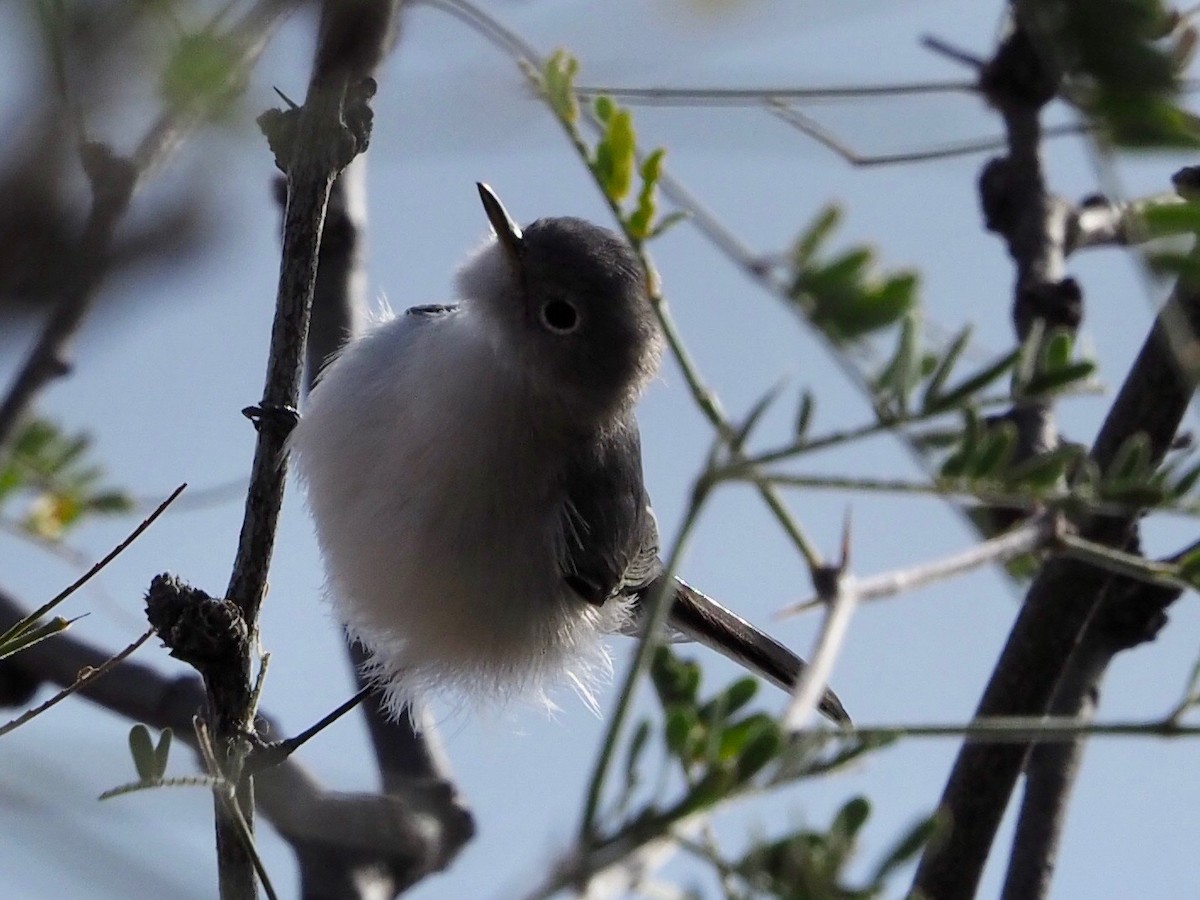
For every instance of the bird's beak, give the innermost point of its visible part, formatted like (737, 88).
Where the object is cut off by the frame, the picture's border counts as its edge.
(508, 232)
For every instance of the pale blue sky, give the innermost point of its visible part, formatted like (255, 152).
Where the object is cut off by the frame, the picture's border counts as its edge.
(160, 385)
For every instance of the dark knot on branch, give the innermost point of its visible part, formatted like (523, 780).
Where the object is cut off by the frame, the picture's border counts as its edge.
(203, 631)
(341, 132)
(1018, 76)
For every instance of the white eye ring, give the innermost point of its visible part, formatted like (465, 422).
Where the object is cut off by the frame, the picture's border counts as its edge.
(559, 316)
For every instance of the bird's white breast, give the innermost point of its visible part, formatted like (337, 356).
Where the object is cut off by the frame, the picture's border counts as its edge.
(436, 499)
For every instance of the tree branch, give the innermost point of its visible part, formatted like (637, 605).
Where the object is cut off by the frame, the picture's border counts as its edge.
(1064, 598)
(342, 841)
(1058, 608)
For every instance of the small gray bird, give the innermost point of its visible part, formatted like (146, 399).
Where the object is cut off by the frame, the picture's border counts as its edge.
(475, 476)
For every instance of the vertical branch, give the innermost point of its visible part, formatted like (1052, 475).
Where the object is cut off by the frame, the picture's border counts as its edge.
(1059, 607)
(1041, 662)
(312, 145)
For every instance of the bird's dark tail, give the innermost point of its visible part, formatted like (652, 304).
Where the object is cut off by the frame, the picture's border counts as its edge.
(705, 620)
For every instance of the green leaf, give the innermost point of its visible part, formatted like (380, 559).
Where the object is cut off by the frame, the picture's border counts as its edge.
(25, 634)
(738, 694)
(758, 751)
(633, 755)
(680, 731)
(676, 681)
(1189, 567)
(1046, 469)
(894, 297)
(1185, 266)
(850, 819)
(804, 415)
(944, 367)
(1186, 481)
(1170, 219)
(110, 502)
(640, 222)
(604, 107)
(558, 81)
(142, 748)
(1142, 122)
(974, 384)
(712, 787)
(900, 375)
(818, 231)
(1056, 352)
(1028, 358)
(49, 472)
(995, 450)
(957, 464)
(202, 72)
(1131, 462)
(1044, 384)
(615, 157)
(844, 270)
(668, 221)
(742, 433)
(738, 735)
(162, 752)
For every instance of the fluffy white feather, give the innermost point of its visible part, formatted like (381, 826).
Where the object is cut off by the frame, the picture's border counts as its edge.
(452, 584)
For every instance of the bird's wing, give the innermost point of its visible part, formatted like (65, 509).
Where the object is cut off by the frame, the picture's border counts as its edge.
(610, 539)
(611, 549)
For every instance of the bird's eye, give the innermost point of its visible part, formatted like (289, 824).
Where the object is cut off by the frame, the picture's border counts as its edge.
(560, 316)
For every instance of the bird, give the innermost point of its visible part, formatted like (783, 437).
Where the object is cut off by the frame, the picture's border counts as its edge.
(474, 473)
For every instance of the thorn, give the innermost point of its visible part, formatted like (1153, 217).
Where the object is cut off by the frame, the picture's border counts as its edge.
(292, 105)
(844, 562)
(944, 48)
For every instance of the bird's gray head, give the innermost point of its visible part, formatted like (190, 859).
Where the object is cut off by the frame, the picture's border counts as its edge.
(567, 302)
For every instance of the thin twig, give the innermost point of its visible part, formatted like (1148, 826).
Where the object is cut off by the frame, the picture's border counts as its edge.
(1027, 729)
(937, 45)
(810, 127)
(1028, 538)
(273, 754)
(713, 96)
(342, 841)
(84, 679)
(113, 554)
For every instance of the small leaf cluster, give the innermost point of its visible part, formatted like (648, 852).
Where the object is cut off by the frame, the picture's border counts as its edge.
(613, 161)
(1124, 59)
(1134, 480)
(843, 295)
(149, 758)
(30, 630)
(812, 864)
(1131, 481)
(724, 748)
(1171, 220)
(48, 473)
(202, 73)
(917, 381)
(719, 744)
